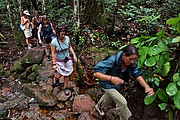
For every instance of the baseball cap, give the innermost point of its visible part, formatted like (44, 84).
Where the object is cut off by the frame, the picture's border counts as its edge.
(26, 12)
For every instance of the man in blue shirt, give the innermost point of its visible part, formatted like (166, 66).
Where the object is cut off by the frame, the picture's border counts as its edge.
(113, 72)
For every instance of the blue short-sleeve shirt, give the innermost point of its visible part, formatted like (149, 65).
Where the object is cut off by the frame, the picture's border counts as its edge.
(111, 66)
(62, 49)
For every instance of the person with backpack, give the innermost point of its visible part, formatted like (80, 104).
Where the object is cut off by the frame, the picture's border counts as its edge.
(46, 33)
(36, 21)
(62, 62)
(26, 26)
(113, 73)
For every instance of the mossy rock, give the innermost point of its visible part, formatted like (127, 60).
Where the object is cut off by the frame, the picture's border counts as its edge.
(38, 78)
(18, 68)
(35, 68)
(33, 56)
(23, 75)
(6, 73)
(32, 77)
(29, 70)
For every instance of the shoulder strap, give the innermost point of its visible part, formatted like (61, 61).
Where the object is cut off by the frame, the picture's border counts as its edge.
(60, 47)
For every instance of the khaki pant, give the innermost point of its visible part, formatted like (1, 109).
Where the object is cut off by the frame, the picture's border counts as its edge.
(121, 103)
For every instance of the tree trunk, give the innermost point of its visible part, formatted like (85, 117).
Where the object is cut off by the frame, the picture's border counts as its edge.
(13, 26)
(43, 6)
(76, 15)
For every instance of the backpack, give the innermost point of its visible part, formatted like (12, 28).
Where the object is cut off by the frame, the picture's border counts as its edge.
(23, 27)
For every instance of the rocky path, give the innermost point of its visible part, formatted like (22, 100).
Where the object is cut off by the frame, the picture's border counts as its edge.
(39, 99)
(28, 94)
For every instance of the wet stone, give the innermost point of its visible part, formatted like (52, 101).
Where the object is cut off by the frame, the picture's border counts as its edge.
(83, 103)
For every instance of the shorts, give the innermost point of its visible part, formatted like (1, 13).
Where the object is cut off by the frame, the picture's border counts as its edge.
(28, 32)
(48, 39)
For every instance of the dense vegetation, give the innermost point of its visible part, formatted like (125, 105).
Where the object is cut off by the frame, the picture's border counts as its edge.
(153, 26)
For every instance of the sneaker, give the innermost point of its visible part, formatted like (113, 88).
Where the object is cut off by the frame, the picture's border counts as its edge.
(66, 91)
(29, 47)
(99, 111)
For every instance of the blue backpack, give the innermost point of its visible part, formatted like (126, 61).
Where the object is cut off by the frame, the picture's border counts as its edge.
(23, 27)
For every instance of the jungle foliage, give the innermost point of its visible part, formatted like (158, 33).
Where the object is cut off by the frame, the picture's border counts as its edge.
(152, 25)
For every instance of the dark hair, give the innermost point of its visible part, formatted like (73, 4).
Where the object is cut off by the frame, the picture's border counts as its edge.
(61, 29)
(130, 50)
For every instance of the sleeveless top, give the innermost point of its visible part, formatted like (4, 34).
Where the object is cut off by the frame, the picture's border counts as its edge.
(36, 23)
(47, 30)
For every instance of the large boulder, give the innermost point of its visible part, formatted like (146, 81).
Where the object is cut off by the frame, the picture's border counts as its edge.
(43, 97)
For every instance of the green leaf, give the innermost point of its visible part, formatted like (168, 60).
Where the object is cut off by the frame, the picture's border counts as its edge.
(151, 61)
(160, 33)
(171, 89)
(161, 62)
(162, 46)
(172, 21)
(154, 50)
(162, 106)
(178, 83)
(166, 68)
(176, 77)
(176, 40)
(176, 99)
(151, 39)
(122, 47)
(143, 55)
(164, 57)
(156, 81)
(149, 99)
(162, 95)
(155, 18)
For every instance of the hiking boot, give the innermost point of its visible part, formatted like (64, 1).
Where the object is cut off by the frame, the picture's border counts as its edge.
(99, 110)
(66, 91)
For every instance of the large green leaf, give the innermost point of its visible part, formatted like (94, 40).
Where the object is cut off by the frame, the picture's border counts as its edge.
(176, 77)
(162, 45)
(151, 61)
(172, 21)
(176, 40)
(160, 33)
(171, 89)
(151, 39)
(143, 54)
(161, 62)
(149, 99)
(135, 40)
(162, 95)
(166, 68)
(176, 99)
(143, 50)
(154, 50)
(178, 83)
(162, 106)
